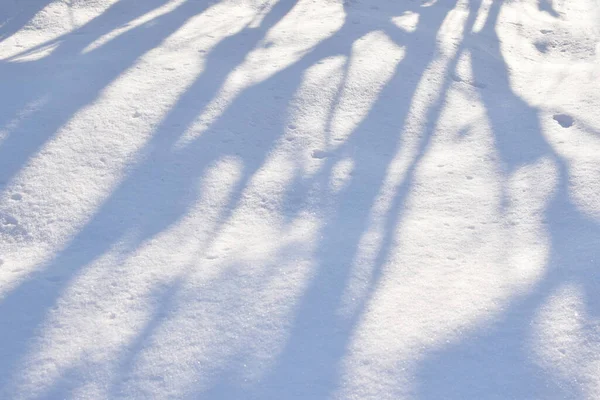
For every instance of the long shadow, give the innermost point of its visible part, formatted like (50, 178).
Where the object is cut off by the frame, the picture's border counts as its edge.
(50, 90)
(14, 15)
(164, 299)
(493, 361)
(55, 87)
(497, 361)
(168, 178)
(317, 327)
(309, 364)
(546, 5)
(165, 175)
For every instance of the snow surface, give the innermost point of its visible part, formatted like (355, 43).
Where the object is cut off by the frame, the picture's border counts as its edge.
(311, 199)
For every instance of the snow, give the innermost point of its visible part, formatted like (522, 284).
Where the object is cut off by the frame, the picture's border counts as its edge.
(277, 199)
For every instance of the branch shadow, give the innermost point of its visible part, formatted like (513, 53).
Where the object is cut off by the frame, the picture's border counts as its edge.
(56, 89)
(546, 5)
(318, 332)
(163, 174)
(14, 15)
(497, 360)
(493, 363)
(309, 365)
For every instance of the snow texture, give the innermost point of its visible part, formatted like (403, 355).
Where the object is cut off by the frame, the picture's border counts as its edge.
(299, 199)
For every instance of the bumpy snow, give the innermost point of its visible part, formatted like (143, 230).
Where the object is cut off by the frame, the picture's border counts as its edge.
(309, 199)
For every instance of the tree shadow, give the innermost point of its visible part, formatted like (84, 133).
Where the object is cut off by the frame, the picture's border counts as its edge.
(55, 90)
(164, 298)
(163, 174)
(547, 6)
(497, 360)
(309, 364)
(317, 332)
(14, 15)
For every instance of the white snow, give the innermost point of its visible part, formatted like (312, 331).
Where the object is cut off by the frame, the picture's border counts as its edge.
(300, 199)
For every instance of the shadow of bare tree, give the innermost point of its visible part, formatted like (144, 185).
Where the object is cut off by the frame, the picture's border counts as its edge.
(491, 361)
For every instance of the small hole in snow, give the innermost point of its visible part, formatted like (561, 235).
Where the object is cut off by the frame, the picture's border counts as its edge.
(319, 154)
(564, 120)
